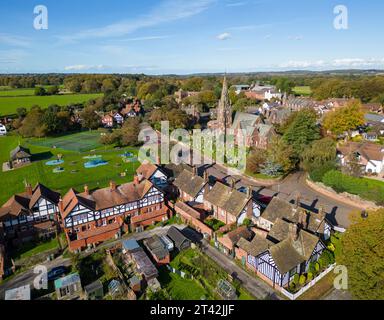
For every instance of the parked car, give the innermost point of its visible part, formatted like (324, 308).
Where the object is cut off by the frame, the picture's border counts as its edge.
(56, 273)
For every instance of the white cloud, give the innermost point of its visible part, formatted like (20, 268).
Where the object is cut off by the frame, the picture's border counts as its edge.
(167, 11)
(83, 67)
(335, 63)
(14, 41)
(236, 4)
(224, 36)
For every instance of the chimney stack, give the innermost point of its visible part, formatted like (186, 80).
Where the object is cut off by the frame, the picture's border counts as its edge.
(136, 180)
(322, 213)
(233, 183)
(194, 171)
(112, 185)
(293, 232)
(206, 176)
(86, 190)
(249, 192)
(28, 189)
(61, 205)
(297, 200)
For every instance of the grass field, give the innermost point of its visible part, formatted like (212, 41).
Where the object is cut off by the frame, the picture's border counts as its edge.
(9, 92)
(9, 105)
(80, 142)
(13, 181)
(302, 90)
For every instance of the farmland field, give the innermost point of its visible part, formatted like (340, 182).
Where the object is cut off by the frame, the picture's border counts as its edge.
(9, 105)
(302, 90)
(74, 175)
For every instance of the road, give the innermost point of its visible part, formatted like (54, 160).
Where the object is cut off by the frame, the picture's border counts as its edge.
(337, 212)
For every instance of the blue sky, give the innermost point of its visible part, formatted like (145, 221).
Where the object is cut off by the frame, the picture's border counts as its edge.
(189, 36)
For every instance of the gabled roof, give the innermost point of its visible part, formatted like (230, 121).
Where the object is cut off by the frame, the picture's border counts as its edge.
(22, 203)
(368, 150)
(280, 230)
(289, 253)
(239, 233)
(279, 209)
(106, 198)
(244, 120)
(190, 183)
(174, 170)
(20, 152)
(176, 236)
(226, 198)
(257, 246)
(147, 170)
(41, 191)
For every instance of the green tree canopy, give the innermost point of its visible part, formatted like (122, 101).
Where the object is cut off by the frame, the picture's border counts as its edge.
(362, 252)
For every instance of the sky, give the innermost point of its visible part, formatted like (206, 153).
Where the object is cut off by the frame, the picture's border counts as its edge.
(190, 36)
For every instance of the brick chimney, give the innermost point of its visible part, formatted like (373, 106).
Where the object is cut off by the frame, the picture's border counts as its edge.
(322, 213)
(86, 190)
(136, 180)
(112, 186)
(249, 192)
(28, 189)
(206, 176)
(194, 171)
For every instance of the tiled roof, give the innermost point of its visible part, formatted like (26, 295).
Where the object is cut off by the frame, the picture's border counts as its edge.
(190, 183)
(226, 198)
(369, 150)
(106, 198)
(257, 246)
(147, 170)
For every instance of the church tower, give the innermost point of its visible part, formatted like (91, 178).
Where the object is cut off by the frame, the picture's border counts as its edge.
(224, 110)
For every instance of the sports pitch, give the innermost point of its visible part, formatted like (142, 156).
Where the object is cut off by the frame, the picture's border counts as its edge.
(80, 142)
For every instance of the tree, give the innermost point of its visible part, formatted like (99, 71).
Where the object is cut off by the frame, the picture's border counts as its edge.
(32, 126)
(302, 131)
(90, 119)
(130, 132)
(345, 119)
(53, 90)
(255, 160)
(362, 252)
(40, 91)
(282, 154)
(21, 112)
(318, 154)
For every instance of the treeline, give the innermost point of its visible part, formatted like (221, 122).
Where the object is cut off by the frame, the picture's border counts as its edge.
(31, 81)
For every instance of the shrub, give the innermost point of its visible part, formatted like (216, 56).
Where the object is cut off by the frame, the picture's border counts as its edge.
(295, 279)
(310, 276)
(317, 174)
(302, 280)
(317, 267)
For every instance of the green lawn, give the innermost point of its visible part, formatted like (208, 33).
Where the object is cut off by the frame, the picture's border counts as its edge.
(9, 105)
(181, 289)
(13, 181)
(366, 188)
(302, 90)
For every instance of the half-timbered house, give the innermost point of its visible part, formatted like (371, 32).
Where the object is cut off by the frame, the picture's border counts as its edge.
(230, 205)
(315, 223)
(277, 263)
(30, 214)
(92, 217)
(153, 173)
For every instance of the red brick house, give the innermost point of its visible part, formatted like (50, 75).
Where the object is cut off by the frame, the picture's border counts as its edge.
(230, 205)
(157, 250)
(92, 217)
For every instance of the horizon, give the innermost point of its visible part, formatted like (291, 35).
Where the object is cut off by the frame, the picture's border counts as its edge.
(178, 37)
